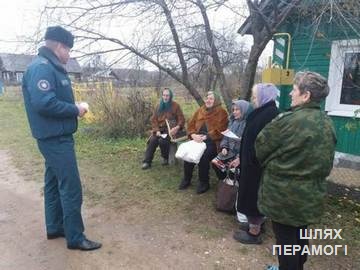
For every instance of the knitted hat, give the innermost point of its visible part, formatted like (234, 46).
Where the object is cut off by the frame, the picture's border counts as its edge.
(59, 34)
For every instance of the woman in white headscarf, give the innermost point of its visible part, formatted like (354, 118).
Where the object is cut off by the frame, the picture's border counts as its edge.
(263, 99)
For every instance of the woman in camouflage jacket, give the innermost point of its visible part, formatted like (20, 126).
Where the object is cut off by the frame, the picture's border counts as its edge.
(296, 151)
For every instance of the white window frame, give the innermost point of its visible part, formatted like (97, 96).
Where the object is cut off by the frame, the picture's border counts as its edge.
(336, 69)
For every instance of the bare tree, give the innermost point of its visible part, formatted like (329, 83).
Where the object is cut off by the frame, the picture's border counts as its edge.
(267, 16)
(264, 23)
(230, 52)
(214, 54)
(165, 45)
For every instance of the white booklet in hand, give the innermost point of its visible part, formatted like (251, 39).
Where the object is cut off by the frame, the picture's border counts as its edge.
(230, 134)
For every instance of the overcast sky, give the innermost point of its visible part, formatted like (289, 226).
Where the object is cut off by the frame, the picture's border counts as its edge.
(19, 18)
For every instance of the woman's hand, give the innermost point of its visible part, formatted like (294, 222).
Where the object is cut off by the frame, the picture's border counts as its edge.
(158, 133)
(224, 152)
(235, 163)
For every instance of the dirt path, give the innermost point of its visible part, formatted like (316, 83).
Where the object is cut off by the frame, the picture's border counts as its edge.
(131, 237)
(130, 240)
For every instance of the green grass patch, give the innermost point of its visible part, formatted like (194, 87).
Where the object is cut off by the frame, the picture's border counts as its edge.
(15, 136)
(112, 177)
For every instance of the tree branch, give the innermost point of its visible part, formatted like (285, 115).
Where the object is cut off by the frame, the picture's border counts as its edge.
(187, 84)
(214, 53)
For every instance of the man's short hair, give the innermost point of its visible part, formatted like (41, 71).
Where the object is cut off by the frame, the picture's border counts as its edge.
(312, 82)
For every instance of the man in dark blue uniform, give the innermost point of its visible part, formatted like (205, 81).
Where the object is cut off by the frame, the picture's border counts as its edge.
(52, 116)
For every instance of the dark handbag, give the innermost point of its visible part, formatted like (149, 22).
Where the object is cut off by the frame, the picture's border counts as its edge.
(226, 195)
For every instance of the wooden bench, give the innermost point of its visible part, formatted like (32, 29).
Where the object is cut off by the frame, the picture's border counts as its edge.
(172, 152)
(174, 144)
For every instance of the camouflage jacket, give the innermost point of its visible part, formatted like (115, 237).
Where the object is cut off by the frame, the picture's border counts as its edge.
(296, 151)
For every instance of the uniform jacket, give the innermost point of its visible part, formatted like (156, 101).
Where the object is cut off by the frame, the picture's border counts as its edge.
(48, 97)
(215, 120)
(296, 151)
(250, 170)
(175, 113)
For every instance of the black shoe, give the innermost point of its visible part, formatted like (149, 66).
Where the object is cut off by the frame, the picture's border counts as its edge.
(145, 166)
(246, 238)
(51, 236)
(184, 184)
(165, 162)
(202, 187)
(86, 245)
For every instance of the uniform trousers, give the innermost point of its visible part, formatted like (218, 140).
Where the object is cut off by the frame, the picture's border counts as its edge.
(62, 191)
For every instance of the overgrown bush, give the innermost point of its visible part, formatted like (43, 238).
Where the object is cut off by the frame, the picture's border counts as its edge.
(123, 115)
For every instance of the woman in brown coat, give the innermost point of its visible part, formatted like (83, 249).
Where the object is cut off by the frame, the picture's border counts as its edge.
(206, 126)
(166, 110)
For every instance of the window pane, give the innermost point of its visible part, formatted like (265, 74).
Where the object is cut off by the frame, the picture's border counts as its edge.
(350, 92)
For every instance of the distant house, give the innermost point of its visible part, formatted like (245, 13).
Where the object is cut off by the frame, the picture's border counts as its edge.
(13, 66)
(133, 77)
(90, 73)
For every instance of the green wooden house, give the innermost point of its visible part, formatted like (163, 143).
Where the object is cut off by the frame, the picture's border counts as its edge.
(324, 36)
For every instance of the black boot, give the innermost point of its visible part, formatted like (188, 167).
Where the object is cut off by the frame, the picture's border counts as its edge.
(184, 184)
(165, 162)
(202, 187)
(86, 245)
(188, 171)
(146, 166)
(246, 237)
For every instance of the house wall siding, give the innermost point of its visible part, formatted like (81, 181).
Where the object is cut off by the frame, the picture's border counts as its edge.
(313, 52)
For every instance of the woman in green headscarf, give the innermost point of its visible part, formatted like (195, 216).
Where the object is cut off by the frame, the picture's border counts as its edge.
(166, 110)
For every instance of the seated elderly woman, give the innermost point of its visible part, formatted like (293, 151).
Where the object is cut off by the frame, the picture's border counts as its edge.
(206, 126)
(166, 110)
(230, 147)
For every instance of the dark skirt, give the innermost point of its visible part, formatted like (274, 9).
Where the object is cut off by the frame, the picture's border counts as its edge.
(249, 183)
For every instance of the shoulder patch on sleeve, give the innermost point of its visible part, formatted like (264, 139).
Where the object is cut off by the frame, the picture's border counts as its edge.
(281, 115)
(43, 85)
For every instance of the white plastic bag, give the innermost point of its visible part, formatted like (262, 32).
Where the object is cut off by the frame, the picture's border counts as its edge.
(191, 151)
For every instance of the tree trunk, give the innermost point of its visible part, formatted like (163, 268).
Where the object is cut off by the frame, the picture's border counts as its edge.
(262, 28)
(250, 70)
(158, 83)
(184, 76)
(214, 54)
